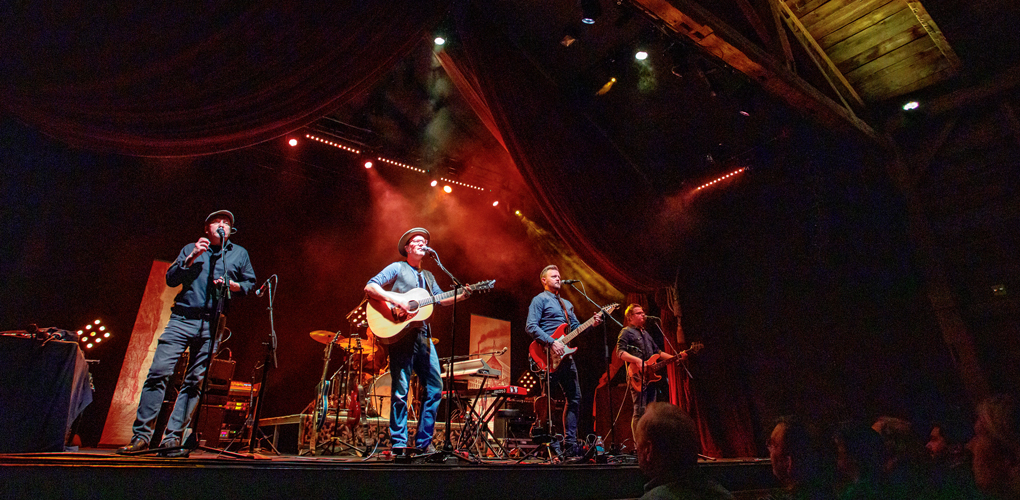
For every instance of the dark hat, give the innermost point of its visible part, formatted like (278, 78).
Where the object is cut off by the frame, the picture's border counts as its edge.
(411, 233)
(219, 213)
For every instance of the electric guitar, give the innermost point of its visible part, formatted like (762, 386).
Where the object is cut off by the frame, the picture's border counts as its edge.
(538, 350)
(388, 321)
(646, 372)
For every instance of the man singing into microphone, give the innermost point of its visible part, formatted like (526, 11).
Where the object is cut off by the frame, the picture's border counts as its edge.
(634, 346)
(413, 350)
(200, 269)
(545, 314)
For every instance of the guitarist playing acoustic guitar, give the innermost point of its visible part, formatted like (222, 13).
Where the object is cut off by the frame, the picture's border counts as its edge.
(413, 349)
(636, 347)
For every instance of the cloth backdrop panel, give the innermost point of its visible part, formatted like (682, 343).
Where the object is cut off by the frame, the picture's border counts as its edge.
(594, 198)
(182, 79)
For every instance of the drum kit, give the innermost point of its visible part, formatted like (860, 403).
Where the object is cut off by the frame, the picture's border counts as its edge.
(365, 364)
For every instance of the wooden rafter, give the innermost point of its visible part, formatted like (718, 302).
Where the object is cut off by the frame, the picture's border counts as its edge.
(820, 58)
(688, 18)
(783, 48)
(935, 33)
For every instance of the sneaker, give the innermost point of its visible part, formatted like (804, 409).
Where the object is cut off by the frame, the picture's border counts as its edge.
(137, 444)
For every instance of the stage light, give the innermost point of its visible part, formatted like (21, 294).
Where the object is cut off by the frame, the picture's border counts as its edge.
(911, 106)
(440, 40)
(641, 55)
(102, 328)
(106, 335)
(448, 189)
(517, 212)
(727, 176)
(745, 113)
(80, 332)
(98, 340)
(434, 183)
(495, 203)
(331, 143)
(88, 327)
(96, 321)
(292, 142)
(605, 88)
(458, 183)
(368, 163)
(88, 346)
(590, 11)
(93, 334)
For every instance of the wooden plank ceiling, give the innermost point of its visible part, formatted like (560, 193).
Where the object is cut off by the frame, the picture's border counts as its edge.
(880, 48)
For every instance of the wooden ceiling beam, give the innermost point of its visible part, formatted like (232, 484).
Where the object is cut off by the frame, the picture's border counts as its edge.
(821, 59)
(688, 18)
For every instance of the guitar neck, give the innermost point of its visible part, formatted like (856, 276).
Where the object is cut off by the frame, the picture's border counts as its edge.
(577, 331)
(435, 299)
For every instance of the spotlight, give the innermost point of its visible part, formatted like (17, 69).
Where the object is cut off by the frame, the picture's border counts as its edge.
(292, 142)
(641, 55)
(495, 203)
(439, 40)
(96, 321)
(434, 183)
(447, 189)
(368, 163)
(517, 213)
(911, 106)
(590, 11)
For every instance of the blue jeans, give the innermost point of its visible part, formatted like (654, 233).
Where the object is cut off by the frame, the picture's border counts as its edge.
(180, 334)
(641, 400)
(416, 353)
(566, 377)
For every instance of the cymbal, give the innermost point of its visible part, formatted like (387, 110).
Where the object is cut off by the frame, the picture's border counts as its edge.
(324, 336)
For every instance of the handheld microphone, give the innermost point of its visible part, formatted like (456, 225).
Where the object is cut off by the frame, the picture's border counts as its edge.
(567, 282)
(262, 289)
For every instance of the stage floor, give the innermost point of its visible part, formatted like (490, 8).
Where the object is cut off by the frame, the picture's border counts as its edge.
(101, 474)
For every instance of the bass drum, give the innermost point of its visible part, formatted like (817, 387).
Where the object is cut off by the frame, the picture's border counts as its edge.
(379, 396)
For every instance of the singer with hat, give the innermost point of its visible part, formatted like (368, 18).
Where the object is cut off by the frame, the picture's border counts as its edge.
(200, 270)
(413, 351)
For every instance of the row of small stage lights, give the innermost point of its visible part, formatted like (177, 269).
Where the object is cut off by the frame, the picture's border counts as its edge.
(368, 164)
(727, 176)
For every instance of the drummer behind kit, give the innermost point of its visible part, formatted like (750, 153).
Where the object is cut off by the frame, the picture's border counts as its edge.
(388, 324)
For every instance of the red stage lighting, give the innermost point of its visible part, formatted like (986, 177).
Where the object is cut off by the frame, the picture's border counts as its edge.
(434, 183)
(495, 203)
(368, 163)
(292, 142)
(448, 189)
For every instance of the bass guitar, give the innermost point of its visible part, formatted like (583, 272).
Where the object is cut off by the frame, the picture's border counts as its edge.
(538, 350)
(388, 321)
(646, 372)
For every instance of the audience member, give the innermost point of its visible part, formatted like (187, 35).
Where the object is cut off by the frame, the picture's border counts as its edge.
(858, 462)
(801, 468)
(996, 447)
(667, 450)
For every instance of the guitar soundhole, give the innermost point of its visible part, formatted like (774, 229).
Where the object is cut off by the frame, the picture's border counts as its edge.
(413, 306)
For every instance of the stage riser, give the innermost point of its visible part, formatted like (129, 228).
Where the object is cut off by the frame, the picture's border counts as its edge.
(325, 478)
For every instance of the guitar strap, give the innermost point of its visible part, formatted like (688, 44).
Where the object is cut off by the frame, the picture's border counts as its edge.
(566, 317)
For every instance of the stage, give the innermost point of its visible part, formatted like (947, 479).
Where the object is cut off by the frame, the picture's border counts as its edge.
(97, 473)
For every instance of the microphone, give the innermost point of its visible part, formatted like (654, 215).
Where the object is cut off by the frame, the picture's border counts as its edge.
(429, 249)
(567, 282)
(656, 318)
(262, 289)
(220, 232)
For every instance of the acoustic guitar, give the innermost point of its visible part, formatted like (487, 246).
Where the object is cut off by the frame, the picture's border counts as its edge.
(387, 321)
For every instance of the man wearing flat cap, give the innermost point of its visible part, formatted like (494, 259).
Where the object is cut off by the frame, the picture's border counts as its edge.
(413, 350)
(200, 270)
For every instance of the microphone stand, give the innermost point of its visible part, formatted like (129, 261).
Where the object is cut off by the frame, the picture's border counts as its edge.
(270, 356)
(448, 450)
(608, 357)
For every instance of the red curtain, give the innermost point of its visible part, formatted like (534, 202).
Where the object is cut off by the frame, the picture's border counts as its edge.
(190, 78)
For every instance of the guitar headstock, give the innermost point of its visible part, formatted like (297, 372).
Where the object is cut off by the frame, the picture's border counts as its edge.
(695, 347)
(610, 308)
(482, 286)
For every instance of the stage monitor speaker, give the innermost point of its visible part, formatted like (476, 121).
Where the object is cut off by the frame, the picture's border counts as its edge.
(210, 422)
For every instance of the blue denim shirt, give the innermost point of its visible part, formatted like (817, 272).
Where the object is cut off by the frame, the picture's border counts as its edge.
(545, 315)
